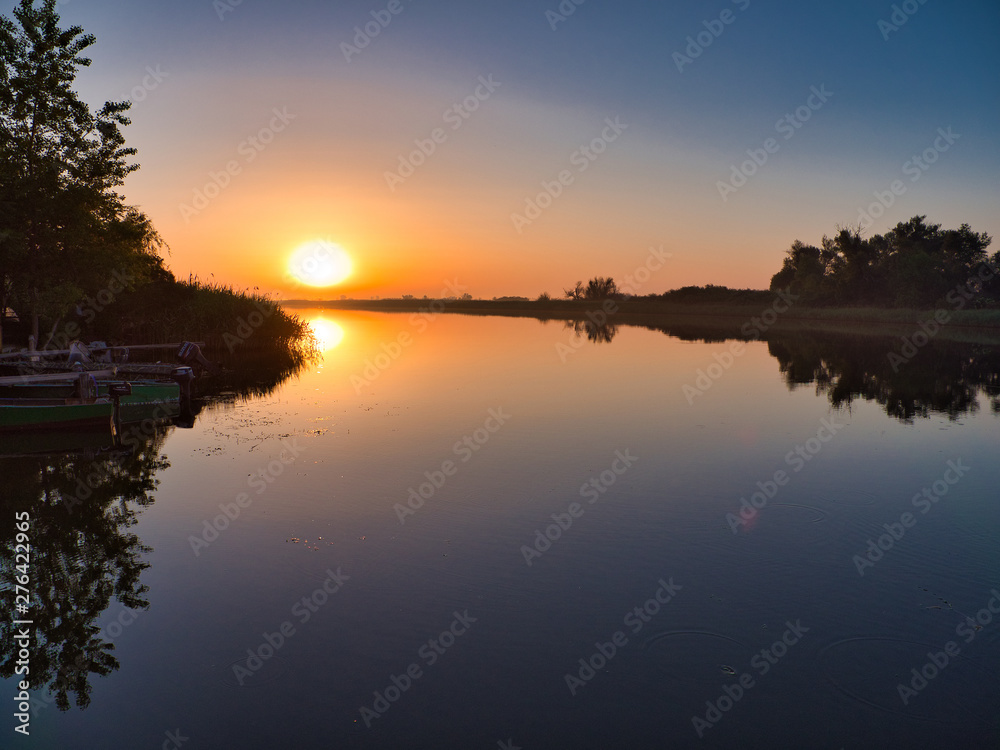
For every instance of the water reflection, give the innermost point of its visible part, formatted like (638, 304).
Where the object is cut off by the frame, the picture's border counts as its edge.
(598, 332)
(83, 491)
(81, 502)
(328, 333)
(250, 374)
(944, 377)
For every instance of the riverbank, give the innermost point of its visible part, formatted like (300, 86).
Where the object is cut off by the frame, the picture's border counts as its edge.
(751, 317)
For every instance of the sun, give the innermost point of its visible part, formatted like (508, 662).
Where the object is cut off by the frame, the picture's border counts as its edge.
(319, 263)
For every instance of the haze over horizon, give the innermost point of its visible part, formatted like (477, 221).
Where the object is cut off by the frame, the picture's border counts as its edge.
(517, 150)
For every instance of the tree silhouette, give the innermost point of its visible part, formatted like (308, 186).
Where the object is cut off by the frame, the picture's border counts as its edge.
(600, 287)
(64, 230)
(915, 264)
(576, 292)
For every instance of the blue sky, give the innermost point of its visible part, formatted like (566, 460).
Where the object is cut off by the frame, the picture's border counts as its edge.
(659, 185)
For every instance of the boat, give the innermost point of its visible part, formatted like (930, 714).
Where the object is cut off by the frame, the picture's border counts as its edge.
(143, 392)
(83, 395)
(63, 413)
(77, 399)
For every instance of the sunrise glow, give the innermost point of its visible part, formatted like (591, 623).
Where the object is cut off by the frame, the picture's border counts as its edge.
(320, 264)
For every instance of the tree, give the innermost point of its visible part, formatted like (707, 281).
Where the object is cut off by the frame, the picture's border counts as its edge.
(915, 264)
(802, 272)
(576, 292)
(600, 287)
(64, 231)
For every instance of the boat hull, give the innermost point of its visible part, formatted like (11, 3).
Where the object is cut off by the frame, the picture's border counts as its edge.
(45, 414)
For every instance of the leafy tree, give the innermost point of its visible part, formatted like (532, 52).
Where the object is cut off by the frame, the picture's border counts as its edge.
(802, 271)
(600, 288)
(64, 231)
(915, 264)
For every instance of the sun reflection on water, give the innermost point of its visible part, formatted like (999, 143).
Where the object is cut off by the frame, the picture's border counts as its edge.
(328, 334)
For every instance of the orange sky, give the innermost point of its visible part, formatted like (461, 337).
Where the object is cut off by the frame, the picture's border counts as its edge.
(322, 173)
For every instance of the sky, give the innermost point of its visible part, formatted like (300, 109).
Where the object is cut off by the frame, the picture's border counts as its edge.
(512, 148)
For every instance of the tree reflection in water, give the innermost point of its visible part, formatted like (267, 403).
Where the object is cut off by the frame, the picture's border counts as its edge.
(944, 377)
(599, 333)
(82, 504)
(83, 492)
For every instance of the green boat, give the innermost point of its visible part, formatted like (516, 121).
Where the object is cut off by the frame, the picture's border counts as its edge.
(85, 399)
(144, 392)
(48, 413)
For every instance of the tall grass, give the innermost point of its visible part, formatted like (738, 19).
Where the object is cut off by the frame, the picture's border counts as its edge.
(226, 319)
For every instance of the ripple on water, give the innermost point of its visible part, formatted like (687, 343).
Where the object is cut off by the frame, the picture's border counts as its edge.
(696, 656)
(849, 499)
(868, 669)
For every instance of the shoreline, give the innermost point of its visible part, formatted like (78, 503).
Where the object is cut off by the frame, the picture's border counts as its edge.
(868, 321)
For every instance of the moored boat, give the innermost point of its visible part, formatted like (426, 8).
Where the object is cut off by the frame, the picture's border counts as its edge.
(48, 413)
(144, 392)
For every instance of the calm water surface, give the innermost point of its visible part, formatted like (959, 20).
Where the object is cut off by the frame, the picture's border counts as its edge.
(490, 531)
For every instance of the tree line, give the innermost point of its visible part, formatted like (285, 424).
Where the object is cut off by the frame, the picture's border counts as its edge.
(916, 265)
